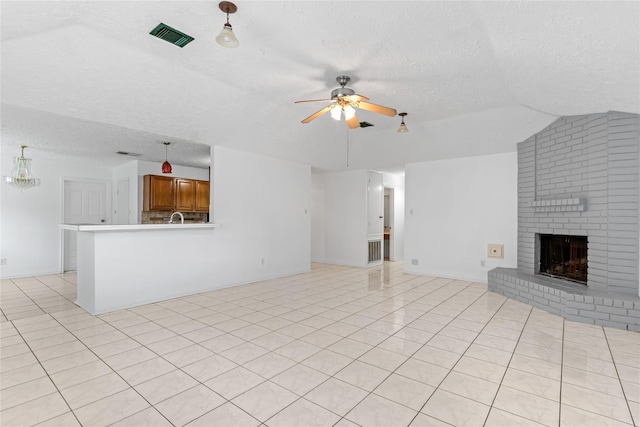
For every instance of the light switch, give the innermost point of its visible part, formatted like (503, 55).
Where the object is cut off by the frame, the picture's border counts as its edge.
(495, 250)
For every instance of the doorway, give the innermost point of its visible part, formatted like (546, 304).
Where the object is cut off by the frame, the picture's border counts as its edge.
(388, 221)
(83, 202)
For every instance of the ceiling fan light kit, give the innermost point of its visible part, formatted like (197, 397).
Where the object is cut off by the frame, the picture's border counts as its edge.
(345, 100)
(403, 128)
(226, 37)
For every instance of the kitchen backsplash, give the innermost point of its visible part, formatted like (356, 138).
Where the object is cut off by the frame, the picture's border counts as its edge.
(162, 217)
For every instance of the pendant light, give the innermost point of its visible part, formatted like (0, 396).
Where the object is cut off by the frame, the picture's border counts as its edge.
(166, 166)
(21, 173)
(226, 37)
(403, 128)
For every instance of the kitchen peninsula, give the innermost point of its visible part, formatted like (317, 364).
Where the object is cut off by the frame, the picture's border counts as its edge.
(121, 266)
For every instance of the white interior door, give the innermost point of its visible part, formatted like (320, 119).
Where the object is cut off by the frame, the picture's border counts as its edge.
(85, 202)
(122, 211)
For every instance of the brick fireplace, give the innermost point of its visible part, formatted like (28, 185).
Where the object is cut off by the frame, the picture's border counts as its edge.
(579, 177)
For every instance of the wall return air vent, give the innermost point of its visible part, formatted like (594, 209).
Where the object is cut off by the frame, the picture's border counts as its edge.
(173, 36)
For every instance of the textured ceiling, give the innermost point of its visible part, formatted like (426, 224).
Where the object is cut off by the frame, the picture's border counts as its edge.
(86, 78)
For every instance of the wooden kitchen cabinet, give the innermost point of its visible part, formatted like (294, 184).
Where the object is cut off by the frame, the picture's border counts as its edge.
(202, 196)
(163, 193)
(159, 193)
(185, 195)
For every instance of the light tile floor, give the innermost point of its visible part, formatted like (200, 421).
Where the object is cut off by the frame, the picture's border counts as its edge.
(337, 346)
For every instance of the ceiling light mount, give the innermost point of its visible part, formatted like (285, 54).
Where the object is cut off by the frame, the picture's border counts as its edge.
(228, 7)
(226, 37)
(342, 90)
(403, 128)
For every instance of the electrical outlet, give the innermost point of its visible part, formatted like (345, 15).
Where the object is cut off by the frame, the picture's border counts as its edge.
(483, 263)
(414, 261)
(3, 261)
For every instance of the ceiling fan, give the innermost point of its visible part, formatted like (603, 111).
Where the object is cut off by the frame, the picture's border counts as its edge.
(345, 100)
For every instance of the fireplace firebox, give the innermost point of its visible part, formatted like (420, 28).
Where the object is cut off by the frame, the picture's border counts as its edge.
(564, 257)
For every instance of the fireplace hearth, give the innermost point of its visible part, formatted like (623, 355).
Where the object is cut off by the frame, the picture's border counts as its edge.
(564, 257)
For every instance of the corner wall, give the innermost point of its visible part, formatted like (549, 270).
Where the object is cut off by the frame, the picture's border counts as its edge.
(397, 226)
(340, 229)
(263, 206)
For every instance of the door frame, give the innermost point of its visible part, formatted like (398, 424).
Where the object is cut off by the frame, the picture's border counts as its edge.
(117, 200)
(63, 181)
(391, 254)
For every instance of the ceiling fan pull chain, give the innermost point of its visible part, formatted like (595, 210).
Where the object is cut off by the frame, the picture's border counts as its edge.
(347, 148)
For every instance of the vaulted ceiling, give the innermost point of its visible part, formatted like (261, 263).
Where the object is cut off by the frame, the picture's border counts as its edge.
(87, 79)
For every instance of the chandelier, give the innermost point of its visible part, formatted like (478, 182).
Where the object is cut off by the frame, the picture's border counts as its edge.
(21, 173)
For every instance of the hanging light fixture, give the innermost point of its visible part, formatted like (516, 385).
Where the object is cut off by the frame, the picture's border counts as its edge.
(226, 37)
(166, 166)
(403, 128)
(21, 173)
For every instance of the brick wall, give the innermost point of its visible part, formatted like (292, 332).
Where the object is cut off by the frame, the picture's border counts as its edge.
(580, 176)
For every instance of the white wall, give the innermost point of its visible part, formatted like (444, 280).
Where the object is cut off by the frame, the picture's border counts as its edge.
(30, 238)
(128, 171)
(318, 220)
(345, 218)
(396, 181)
(454, 208)
(263, 206)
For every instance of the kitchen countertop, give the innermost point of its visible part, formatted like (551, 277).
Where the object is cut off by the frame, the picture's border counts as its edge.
(138, 227)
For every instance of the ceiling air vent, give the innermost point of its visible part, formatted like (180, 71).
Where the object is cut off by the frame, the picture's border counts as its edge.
(365, 124)
(173, 36)
(126, 153)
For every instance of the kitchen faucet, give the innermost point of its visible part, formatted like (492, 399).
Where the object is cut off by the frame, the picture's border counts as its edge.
(181, 218)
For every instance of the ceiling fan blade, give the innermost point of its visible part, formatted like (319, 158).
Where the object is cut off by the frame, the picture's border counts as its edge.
(376, 108)
(313, 100)
(317, 114)
(353, 122)
(355, 98)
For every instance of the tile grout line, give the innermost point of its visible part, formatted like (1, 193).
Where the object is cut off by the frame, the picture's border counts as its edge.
(454, 365)
(423, 345)
(103, 361)
(615, 365)
(326, 348)
(48, 376)
(561, 373)
(305, 290)
(507, 367)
